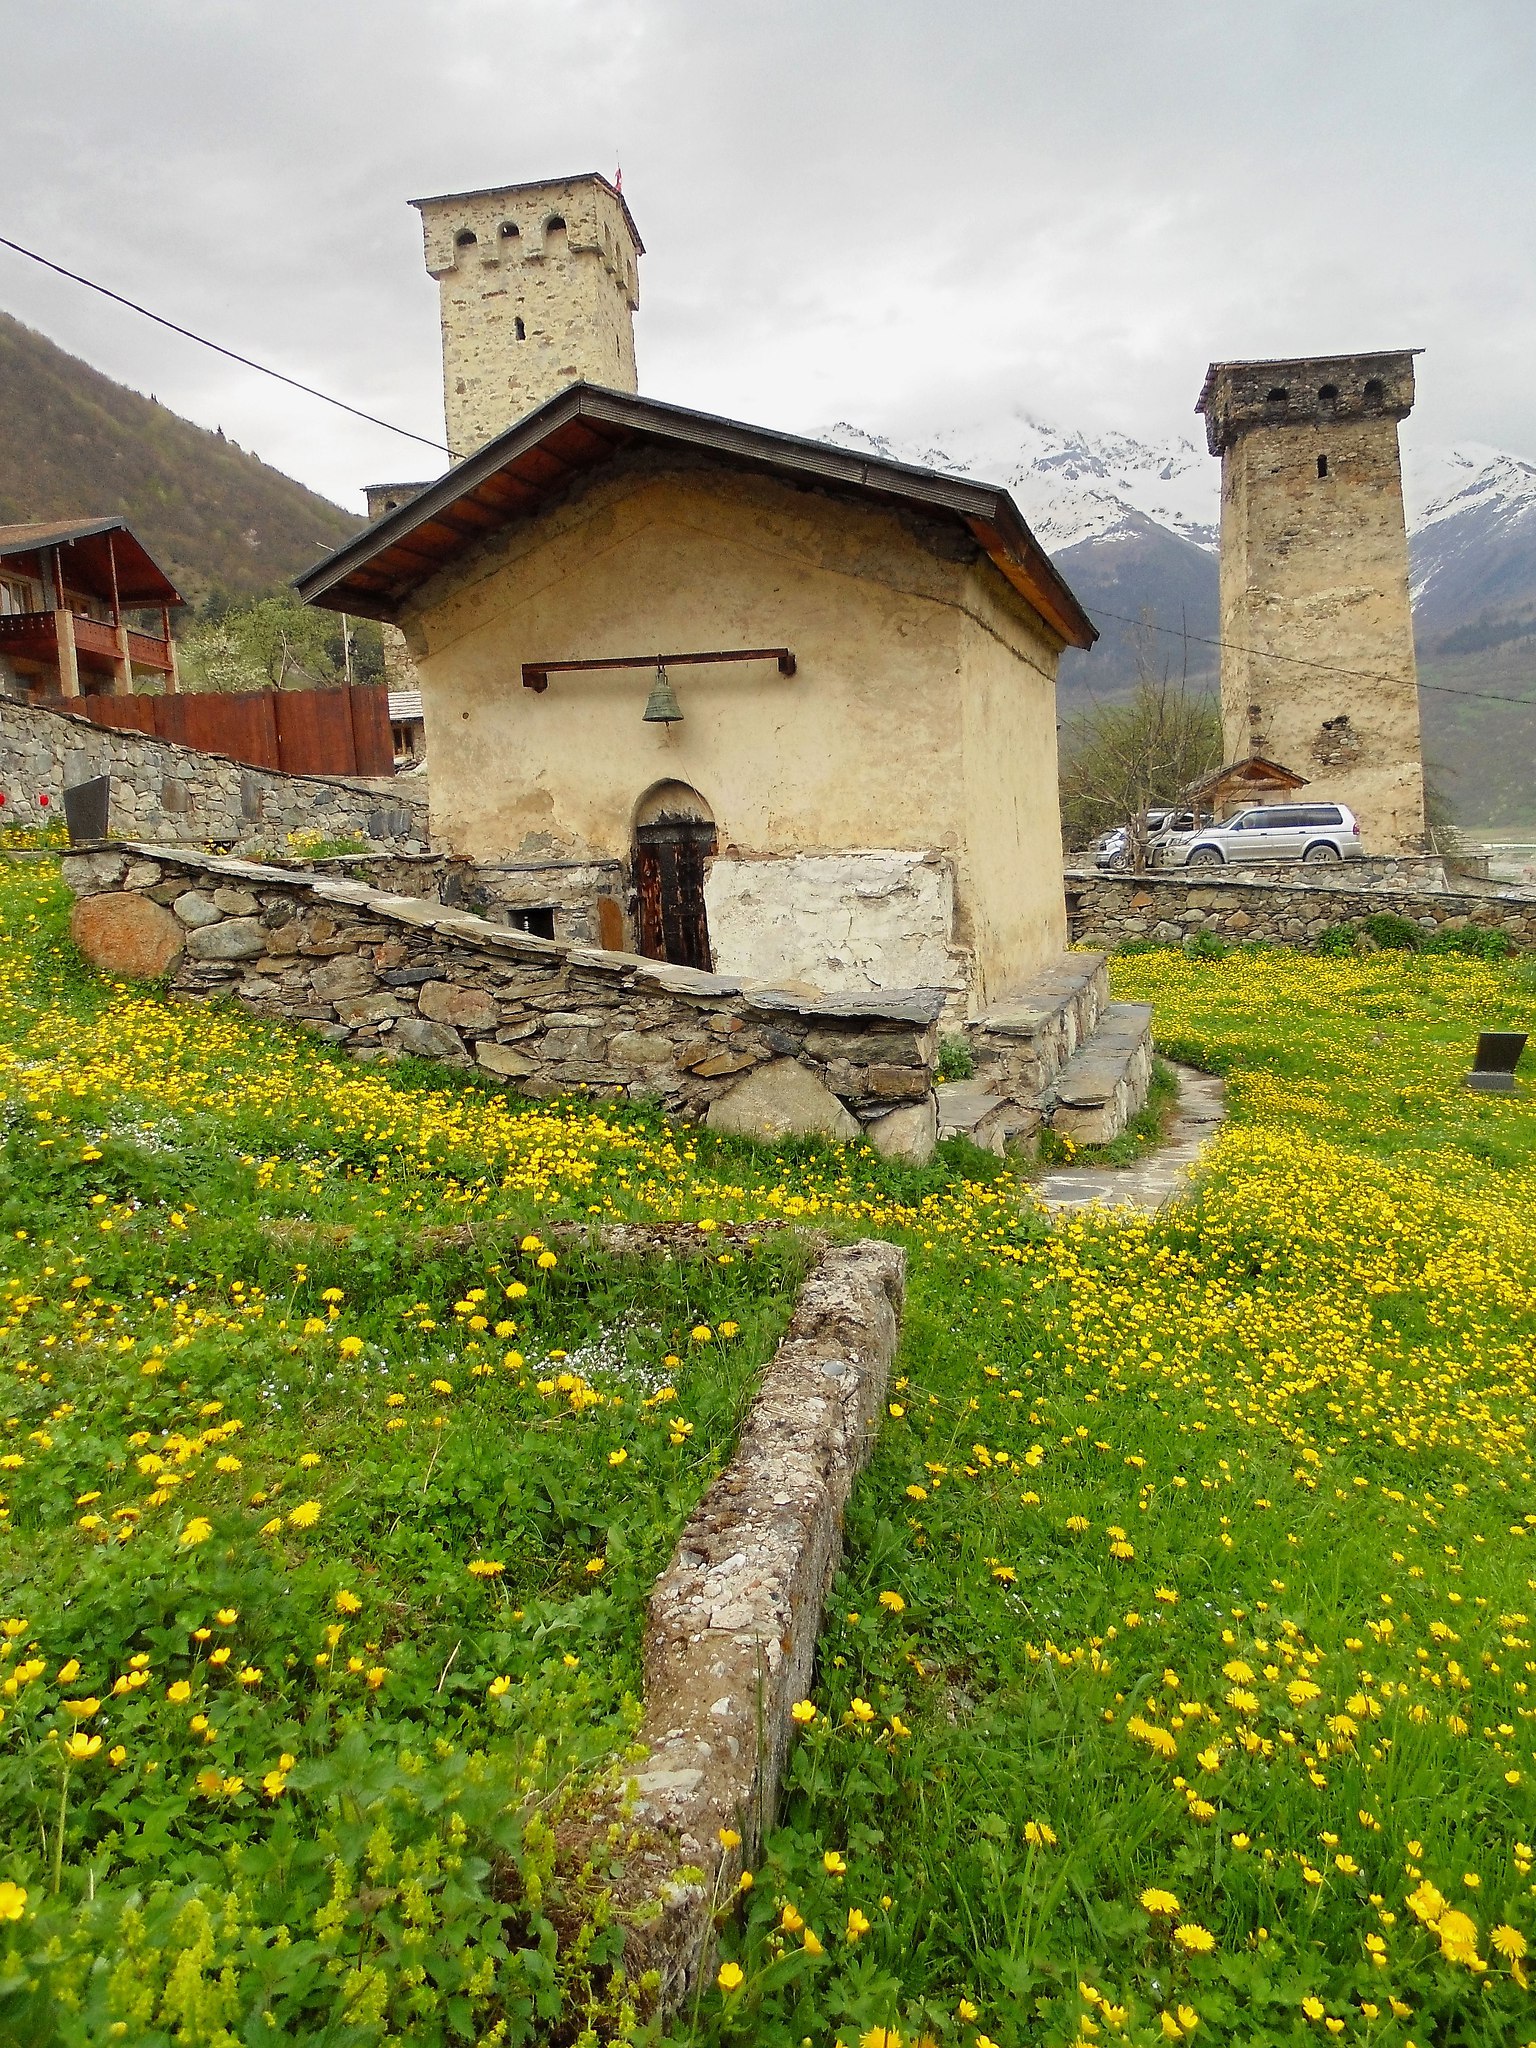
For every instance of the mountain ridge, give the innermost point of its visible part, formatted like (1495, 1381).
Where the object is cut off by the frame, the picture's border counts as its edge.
(76, 444)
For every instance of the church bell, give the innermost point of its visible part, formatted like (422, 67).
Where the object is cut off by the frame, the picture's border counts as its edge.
(662, 707)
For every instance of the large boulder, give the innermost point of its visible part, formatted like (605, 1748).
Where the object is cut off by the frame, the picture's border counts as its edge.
(781, 1100)
(127, 935)
(909, 1136)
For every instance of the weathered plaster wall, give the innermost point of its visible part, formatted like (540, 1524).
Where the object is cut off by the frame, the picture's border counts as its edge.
(840, 921)
(1108, 909)
(1316, 569)
(165, 792)
(903, 728)
(1016, 916)
(575, 293)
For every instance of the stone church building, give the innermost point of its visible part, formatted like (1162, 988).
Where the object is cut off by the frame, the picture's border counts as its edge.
(748, 701)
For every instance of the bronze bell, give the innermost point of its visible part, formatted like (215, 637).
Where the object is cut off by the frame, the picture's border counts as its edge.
(662, 707)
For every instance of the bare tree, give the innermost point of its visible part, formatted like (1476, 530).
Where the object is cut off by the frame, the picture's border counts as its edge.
(1121, 760)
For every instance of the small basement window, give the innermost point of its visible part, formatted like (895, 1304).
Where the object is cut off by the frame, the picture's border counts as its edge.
(1328, 395)
(1322, 465)
(1279, 396)
(509, 231)
(465, 239)
(539, 922)
(519, 329)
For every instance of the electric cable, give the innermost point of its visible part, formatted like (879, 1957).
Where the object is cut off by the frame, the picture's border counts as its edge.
(219, 349)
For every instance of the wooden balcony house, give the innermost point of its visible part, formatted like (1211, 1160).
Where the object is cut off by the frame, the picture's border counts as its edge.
(67, 591)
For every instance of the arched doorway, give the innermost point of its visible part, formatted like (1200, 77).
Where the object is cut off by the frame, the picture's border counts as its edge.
(674, 837)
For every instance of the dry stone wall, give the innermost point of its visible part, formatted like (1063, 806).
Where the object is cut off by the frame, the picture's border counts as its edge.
(389, 974)
(1106, 910)
(175, 794)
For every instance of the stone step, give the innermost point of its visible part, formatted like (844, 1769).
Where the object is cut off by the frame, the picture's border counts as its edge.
(1026, 1039)
(1105, 1083)
(967, 1109)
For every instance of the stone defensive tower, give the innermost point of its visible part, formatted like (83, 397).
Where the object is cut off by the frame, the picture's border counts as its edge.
(1317, 662)
(539, 285)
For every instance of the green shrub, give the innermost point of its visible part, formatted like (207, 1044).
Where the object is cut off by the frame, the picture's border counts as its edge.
(956, 1060)
(1394, 934)
(1205, 946)
(1336, 941)
(1474, 942)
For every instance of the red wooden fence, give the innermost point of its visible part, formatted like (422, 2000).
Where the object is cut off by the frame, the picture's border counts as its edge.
(344, 731)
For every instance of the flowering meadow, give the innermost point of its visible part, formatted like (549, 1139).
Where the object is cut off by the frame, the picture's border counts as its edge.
(1175, 1686)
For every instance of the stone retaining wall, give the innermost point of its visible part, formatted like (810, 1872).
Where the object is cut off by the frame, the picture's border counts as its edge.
(1106, 910)
(175, 794)
(391, 974)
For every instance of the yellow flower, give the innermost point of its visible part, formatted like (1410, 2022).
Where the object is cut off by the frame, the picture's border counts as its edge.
(858, 1925)
(812, 1946)
(966, 2011)
(894, 1602)
(861, 1710)
(880, 2037)
(67, 1673)
(1425, 1902)
(347, 1603)
(1313, 2008)
(198, 1530)
(274, 1783)
(498, 1687)
(305, 1515)
(790, 1921)
(1039, 1835)
(832, 1863)
(82, 1710)
(349, 1347)
(179, 1692)
(618, 1457)
(701, 1333)
(803, 1712)
(375, 1676)
(1157, 1901)
(546, 1261)
(78, 1747)
(13, 1900)
(251, 1675)
(485, 1567)
(1195, 1939)
(731, 1976)
(1458, 1937)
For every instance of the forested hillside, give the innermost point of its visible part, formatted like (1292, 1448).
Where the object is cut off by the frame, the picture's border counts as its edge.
(72, 442)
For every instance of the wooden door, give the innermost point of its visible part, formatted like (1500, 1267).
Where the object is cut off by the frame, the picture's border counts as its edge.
(669, 885)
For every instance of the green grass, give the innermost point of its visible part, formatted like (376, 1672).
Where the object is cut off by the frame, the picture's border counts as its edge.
(1281, 1432)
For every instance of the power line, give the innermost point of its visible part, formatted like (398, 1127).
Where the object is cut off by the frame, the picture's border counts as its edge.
(1367, 675)
(219, 349)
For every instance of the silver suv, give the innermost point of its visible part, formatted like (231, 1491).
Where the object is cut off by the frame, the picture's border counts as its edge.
(1312, 832)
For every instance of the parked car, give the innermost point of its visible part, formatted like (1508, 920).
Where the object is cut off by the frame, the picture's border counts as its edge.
(1112, 849)
(1310, 832)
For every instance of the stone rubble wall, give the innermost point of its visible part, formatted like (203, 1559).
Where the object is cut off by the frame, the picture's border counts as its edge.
(1106, 910)
(175, 794)
(391, 974)
(573, 890)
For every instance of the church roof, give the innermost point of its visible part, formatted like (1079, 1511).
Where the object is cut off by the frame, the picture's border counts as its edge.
(520, 472)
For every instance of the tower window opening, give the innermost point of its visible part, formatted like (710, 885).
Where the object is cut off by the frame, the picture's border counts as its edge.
(465, 238)
(555, 225)
(1279, 396)
(1322, 465)
(509, 231)
(1373, 393)
(1328, 395)
(518, 328)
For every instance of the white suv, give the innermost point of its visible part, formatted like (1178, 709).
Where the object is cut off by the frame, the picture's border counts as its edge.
(1313, 832)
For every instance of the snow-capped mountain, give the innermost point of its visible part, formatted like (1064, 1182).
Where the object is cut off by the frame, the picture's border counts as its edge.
(1133, 525)
(1071, 487)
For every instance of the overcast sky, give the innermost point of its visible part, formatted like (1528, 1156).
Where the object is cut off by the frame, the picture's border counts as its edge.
(909, 215)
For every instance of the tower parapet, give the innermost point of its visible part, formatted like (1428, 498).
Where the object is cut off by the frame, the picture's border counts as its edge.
(1317, 657)
(538, 287)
